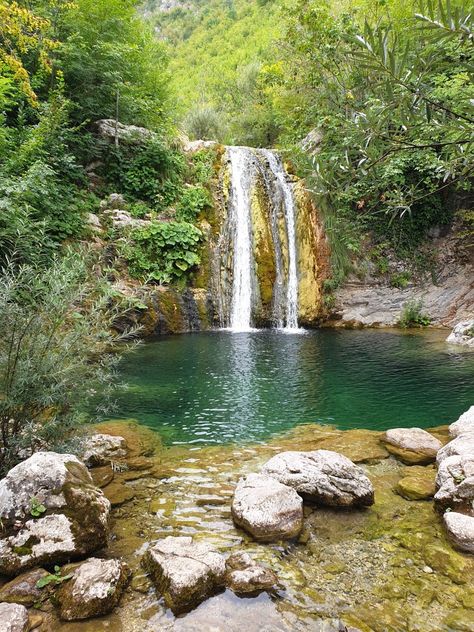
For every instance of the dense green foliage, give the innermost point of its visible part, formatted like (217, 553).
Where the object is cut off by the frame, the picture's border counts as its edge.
(163, 251)
(56, 350)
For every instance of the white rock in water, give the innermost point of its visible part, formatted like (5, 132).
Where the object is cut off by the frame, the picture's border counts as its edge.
(322, 476)
(462, 445)
(412, 445)
(460, 530)
(101, 449)
(245, 576)
(13, 618)
(184, 572)
(51, 512)
(455, 483)
(464, 425)
(267, 509)
(462, 334)
(94, 589)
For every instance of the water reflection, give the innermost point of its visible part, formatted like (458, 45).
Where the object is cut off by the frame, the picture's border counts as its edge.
(221, 387)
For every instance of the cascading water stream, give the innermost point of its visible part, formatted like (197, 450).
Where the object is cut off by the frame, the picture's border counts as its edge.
(241, 173)
(248, 167)
(279, 172)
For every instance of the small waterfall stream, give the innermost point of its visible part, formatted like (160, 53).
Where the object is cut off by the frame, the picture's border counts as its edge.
(246, 167)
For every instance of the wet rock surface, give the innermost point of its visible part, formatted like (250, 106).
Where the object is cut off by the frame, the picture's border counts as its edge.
(184, 572)
(412, 445)
(23, 589)
(13, 618)
(94, 589)
(267, 509)
(245, 576)
(418, 484)
(50, 512)
(323, 477)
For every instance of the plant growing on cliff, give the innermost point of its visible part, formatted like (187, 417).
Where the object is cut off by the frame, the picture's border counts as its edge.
(413, 316)
(163, 251)
(57, 350)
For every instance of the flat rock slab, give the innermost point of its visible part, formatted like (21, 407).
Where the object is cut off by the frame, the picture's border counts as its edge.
(185, 572)
(323, 477)
(245, 576)
(13, 618)
(23, 589)
(460, 530)
(360, 446)
(455, 484)
(267, 509)
(51, 512)
(464, 425)
(94, 589)
(412, 445)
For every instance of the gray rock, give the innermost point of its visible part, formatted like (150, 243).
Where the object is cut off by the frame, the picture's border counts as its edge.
(193, 146)
(412, 445)
(101, 449)
(460, 530)
(184, 572)
(23, 589)
(51, 512)
(464, 425)
(94, 589)
(123, 219)
(109, 130)
(245, 576)
(462, 445)
(267, 509)
(13, 618)
(462, 334)
(322, 476)
(455, 484)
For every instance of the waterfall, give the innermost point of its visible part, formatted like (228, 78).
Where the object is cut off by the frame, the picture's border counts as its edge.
(241, 172)
(248, 167)
(279, 172)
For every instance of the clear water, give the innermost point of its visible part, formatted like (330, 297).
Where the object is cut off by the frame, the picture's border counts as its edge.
(221, 387)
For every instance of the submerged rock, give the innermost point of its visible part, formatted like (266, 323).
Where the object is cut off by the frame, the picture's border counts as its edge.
(460, 530)
(323, 477)
(464, 425)
(412, 445)
(419, 485)
(245, 576)
(23, 589)
(184, 572)
(51, 512)
(267, 509)
(462, 334)
(13, 618)
(455, 483)
(462, 445)
(102, 449)
(94, 589)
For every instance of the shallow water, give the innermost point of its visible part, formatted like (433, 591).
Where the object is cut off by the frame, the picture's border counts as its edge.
(219, 387)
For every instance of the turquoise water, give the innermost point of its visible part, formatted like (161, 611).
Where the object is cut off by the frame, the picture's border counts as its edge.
(220, 387)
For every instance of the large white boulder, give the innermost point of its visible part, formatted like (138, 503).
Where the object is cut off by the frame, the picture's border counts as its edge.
(323, 477)
(462, 334)
(51, 512)
(460, 530)
(184, 572)
(455, 484)
(464, 425)
(102, 449)
(462, 445)
(13, 618)
(266, 508)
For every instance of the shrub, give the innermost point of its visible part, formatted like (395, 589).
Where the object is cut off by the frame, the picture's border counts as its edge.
(163, 251)
(193, 201)
(204, 123)
(413, 316)
(56, 350)
(400, 279)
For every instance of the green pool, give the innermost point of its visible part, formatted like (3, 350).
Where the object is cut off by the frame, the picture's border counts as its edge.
(222, 387)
